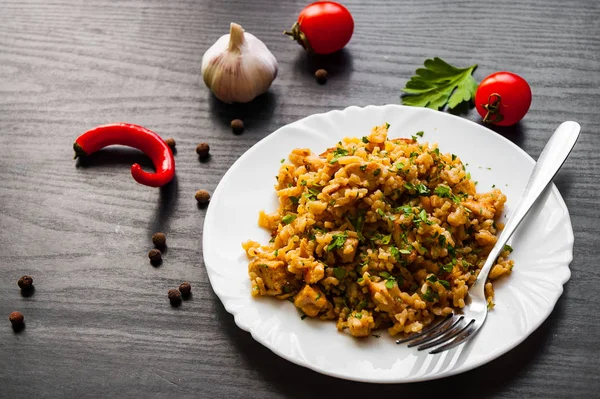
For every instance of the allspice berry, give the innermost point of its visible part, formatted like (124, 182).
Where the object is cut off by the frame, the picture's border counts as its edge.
(155, 256)
(17, 320)
(203, 150)
(185, 289)
(171, 143)
(321, 76)
(174, 297)
(159, 240)
(25, 283)
(202, 196)
(237, 125)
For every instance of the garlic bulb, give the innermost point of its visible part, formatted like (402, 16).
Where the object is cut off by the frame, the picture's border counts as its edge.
(238, 67)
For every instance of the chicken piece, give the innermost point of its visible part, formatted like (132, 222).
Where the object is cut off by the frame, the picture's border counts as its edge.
(269, 276)
(348, 251)
(315, 273)
(310, 300)
(360, 323)
(387, 300)
(365, 173)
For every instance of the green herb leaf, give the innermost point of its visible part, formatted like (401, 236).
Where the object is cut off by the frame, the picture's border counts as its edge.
(363, 167)
(387, 125)
(365, 140)
(508, 248)
(317, 297)
(407, 209)
(276, 253)
(395, 252)
(438, 84)
(360, 280)
(420, 134)
(389, 283)
(430, 295)
(386, 239)
(384, 274)
(339, 272)
(358, 315)
(376, 172)
(294, 200)
(453, 157)
(448, 268)
(337, 241)
(282, 160)
(287, 219)
(422, 189)
(423, 216)
(405, 251)
(380, 212)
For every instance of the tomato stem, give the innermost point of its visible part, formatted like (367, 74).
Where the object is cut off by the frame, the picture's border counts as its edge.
(493, 114)
(299, 36)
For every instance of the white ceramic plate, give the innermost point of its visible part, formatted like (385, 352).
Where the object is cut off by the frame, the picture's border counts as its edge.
(543, 248)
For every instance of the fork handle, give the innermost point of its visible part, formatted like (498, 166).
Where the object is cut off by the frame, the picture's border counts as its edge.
(550, 161)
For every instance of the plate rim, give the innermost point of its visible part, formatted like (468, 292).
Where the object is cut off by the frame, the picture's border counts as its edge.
(427, 377)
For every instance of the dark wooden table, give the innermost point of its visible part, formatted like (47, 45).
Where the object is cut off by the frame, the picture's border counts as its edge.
(99, 323)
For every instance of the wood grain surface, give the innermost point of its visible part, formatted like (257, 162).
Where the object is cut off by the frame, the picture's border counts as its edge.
(99, 323)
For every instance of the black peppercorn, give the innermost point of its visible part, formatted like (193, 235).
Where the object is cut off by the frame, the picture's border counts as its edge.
(237, 125)
(25, 283)
(321, 75)
(17, 320)
(159, 240)
(202, 196)
(174, 297)
(203, 150)
(155, 256)
(185, 289)
(171, 143)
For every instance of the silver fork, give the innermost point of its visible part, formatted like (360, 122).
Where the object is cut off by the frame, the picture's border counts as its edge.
(455, 329)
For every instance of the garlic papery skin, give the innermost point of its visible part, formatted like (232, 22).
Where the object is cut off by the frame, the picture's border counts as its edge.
(238, 67)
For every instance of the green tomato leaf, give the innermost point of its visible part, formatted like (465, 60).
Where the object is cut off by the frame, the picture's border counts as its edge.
(438, 84)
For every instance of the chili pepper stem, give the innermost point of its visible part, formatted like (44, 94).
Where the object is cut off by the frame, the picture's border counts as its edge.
(78, 151)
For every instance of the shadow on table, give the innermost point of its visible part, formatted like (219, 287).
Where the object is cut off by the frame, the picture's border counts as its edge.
(121, 157)
(337, 65)
(515, 133)
(255, 114)
(484, 381)
(114, 157)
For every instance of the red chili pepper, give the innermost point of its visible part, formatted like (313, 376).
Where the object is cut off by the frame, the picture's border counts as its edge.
(134, 136)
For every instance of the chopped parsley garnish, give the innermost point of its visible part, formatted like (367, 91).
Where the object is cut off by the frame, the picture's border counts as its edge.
(376, 172)
(303, 182)
(405, 251)
(387, 125)
(446, 192)
(317, 297)
(430, 295)
(276, 253)
(384, 274)
(407, 209)
(360, 280)
(287, 219)
(448, 268)
(365, 140)
(423, 217)
(339, 272)
(409, 186)
(453, 157)
(294, 200)
(339, 152)
(434, 279)
(358, 315)
(399, 166)
(422, 189)
(508, 248)
(420, 134)
(380, 212)
(389, 283)
(337, 241)
(282, 160)
(395, 253)
(363, 167)
(386, 239)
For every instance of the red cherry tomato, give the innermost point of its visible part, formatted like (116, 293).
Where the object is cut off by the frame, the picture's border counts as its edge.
(323, 27)
(503, 98)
